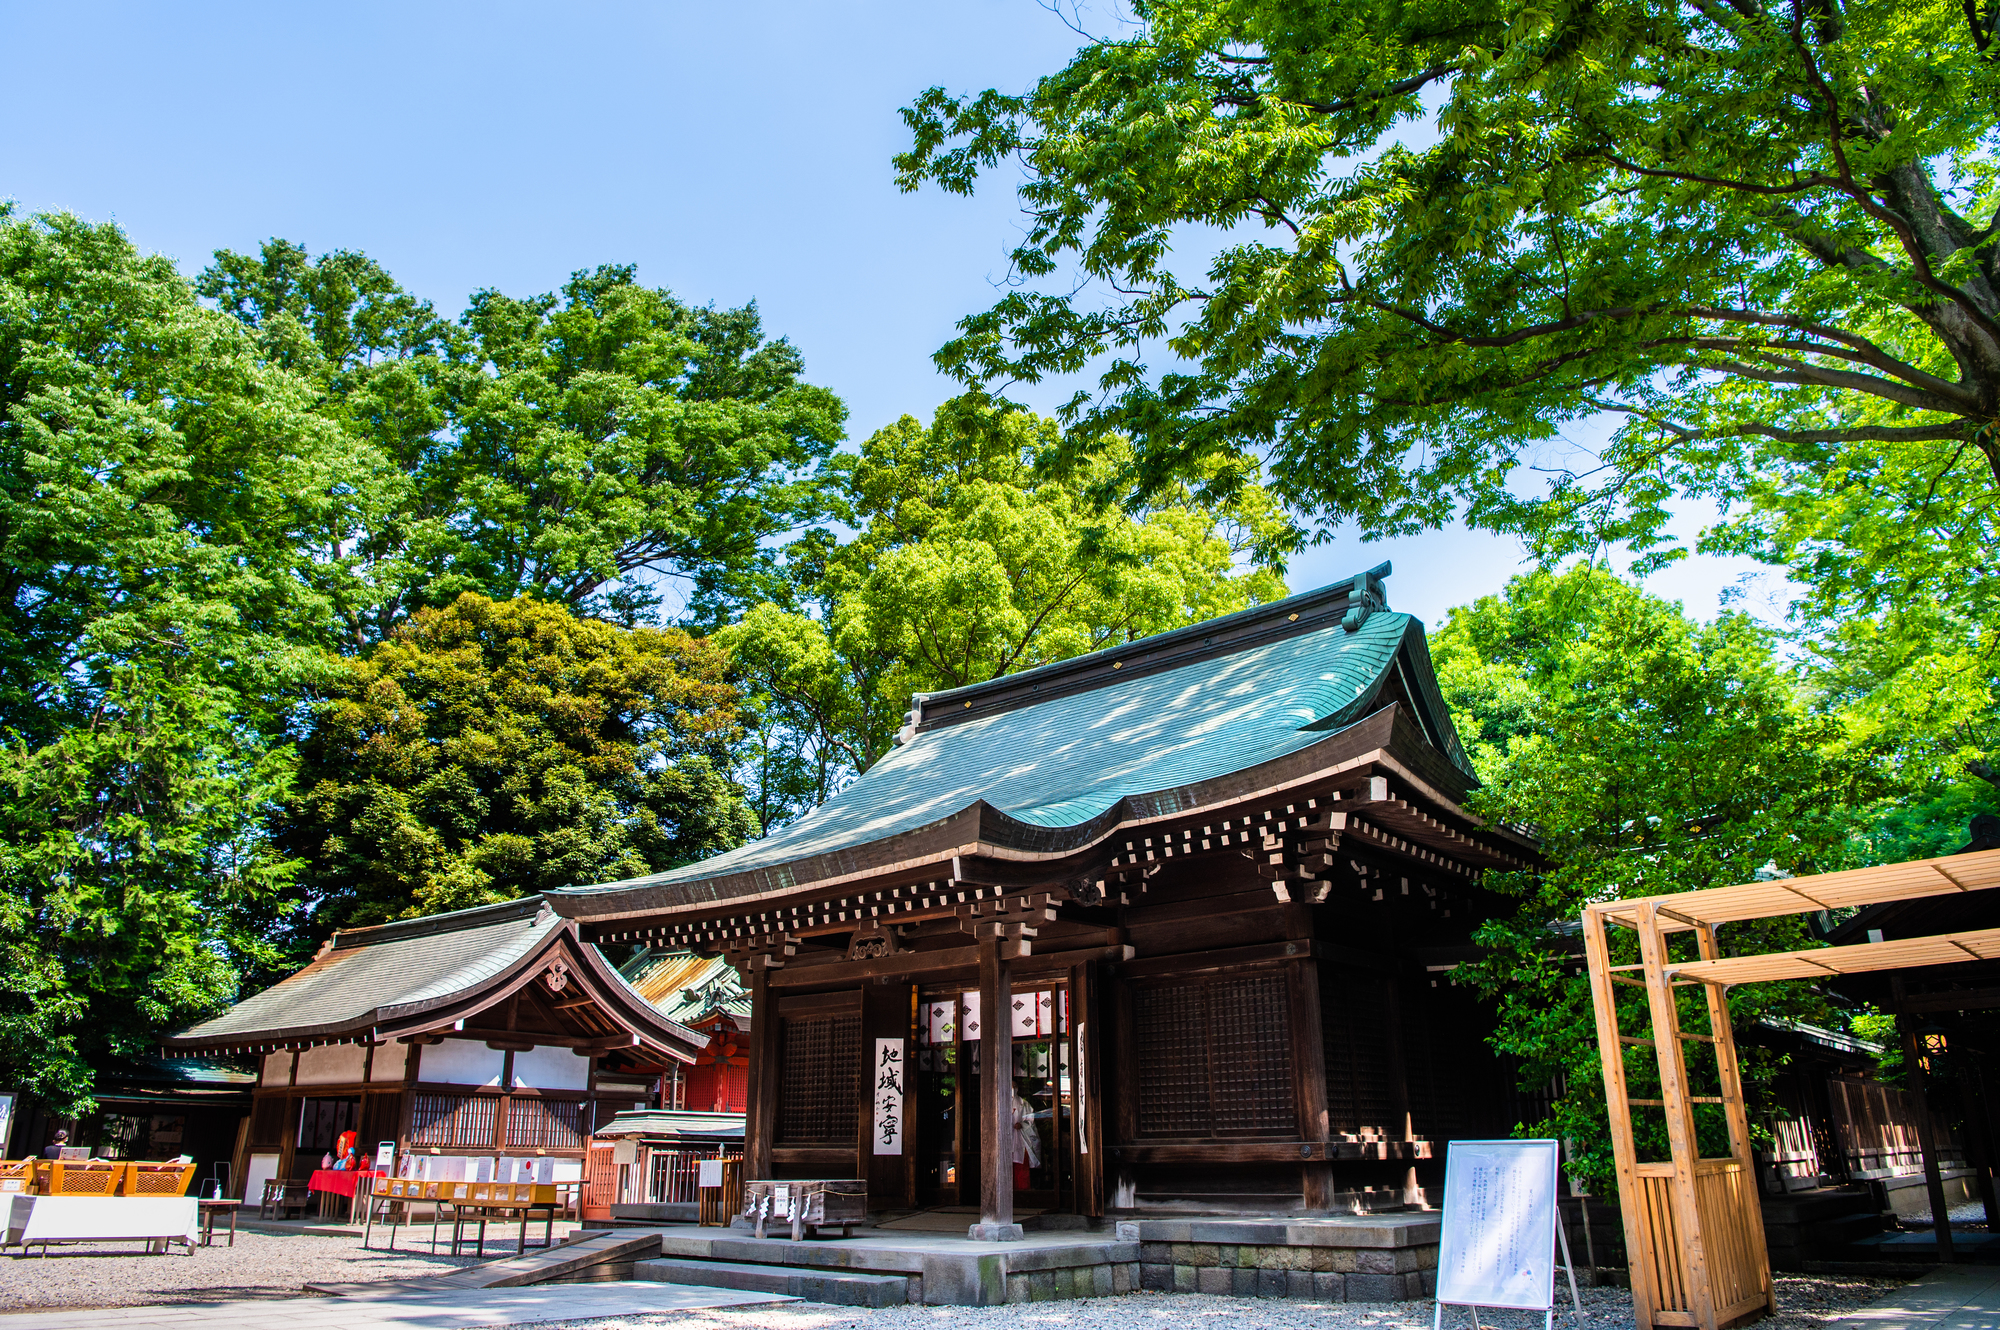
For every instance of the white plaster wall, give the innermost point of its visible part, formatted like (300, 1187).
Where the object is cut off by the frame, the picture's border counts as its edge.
(277, 1071)
(390, 1059)
(548, 1068)
(460, 1062)
(334, 1064)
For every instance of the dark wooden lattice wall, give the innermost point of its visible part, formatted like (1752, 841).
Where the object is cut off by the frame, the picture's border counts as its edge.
(819, 1084)
(1214, 1057)
(1458, 1086)
(1354, 1030)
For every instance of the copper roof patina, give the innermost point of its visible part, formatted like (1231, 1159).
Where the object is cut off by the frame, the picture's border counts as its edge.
(1054, 749)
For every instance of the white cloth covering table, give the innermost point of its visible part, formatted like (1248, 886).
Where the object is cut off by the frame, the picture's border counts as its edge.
(154, 1220)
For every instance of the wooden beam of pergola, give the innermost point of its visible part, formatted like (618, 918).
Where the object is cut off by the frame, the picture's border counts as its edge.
(1694, 1233)
(1849, 888)
(1817, 963)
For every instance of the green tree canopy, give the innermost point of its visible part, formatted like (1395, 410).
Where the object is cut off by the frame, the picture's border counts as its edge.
(489, 749)
(1651, 754)
(577, 447)
(1761, 234)
(970, 563)
(170, 508)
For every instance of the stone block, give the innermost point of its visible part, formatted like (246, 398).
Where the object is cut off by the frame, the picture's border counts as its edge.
(1104, 1280)
(1379, 1262)
(1157, 1253)
(1329, 1288)
(1042, 1286)
(1376, 1288)
(1211, 1279)
(1125, 1277)
(1187, 1279)
(1017, 1288)
(1264, 1258)
(1320, 1258)
(1427, 1258)
(1243, 1283)
(1196, 1253)
(1158, 1278)
(1346, 1260)
(1299, 1284)
(1270, 1283)
(955, 1280)
(1425, 1283)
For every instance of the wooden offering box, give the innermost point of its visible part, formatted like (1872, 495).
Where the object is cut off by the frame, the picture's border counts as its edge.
(808, 1203)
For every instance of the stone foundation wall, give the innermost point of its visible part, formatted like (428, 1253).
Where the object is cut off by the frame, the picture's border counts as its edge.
(1081, 1281)
(1378, 1258)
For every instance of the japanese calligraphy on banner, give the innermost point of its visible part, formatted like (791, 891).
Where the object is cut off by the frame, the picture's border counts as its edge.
(1499, 1247)
(888, 1096)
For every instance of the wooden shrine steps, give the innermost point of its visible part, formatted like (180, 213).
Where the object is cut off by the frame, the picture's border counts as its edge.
(845, 1288)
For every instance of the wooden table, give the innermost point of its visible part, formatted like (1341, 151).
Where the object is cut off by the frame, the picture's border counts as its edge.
(209, 1210)
(483, 1211)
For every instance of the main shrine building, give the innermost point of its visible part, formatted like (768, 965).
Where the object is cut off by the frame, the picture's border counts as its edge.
(1168, 926)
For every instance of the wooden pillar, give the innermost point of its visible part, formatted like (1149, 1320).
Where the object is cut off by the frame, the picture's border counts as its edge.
(761, 1119)
(996, 1090)
(1679, 1113)
(1309, 1060)
(1624, 1150)
(1736, 1112)
(1913, 1070)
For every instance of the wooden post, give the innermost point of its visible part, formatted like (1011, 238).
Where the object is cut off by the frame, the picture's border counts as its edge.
(1730, 1075)
(1679, 1113)
(1624, 1151)
(762, 1118)
(996, 1090)
(1913, 1069)
(1309, 1062)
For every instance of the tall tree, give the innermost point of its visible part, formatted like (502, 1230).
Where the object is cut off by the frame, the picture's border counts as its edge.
(1761, 234)
(490, 749)
(170, 511)
(1652, 754)
(577, 447)
(972, 560)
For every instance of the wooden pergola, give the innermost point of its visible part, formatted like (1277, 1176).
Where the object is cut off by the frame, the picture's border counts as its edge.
(1694, 1232)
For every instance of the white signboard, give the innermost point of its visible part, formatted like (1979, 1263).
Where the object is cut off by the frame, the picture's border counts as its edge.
(888, 1096)
(710, 1172)
(1500, 1229)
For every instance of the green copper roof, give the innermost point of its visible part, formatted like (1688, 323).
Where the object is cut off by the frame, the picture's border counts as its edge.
(1064, 761)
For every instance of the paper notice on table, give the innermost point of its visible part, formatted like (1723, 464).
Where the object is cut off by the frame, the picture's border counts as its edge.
(1499, 1247)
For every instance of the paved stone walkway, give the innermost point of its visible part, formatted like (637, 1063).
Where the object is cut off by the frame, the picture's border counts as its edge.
(1950, 1297)
(444, 1309)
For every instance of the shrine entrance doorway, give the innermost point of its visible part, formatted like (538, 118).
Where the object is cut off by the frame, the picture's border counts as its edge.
(949, 1070)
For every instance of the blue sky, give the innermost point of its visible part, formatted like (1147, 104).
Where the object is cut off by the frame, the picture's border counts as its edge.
(733, 152)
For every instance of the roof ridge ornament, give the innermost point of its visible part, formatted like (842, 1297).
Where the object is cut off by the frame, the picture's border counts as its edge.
(1367, 596)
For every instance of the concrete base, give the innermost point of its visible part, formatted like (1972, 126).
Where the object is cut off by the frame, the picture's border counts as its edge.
(1360, 1258)
(994, 1233)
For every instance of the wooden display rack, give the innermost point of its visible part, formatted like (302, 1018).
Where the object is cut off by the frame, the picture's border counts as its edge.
(1694, 1231)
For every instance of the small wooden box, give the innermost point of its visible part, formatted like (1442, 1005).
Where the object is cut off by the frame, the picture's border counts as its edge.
(806, 1204)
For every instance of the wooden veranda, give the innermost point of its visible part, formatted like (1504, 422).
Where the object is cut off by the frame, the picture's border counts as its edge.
(1694, 1231)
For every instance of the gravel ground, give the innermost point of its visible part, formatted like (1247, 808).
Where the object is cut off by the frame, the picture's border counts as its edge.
(260, 1265)
(1803, 1304)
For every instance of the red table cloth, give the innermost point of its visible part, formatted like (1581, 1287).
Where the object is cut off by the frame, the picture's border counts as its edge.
(340, 1181)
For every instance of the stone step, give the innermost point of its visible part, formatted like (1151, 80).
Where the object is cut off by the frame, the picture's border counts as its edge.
(842, 1288)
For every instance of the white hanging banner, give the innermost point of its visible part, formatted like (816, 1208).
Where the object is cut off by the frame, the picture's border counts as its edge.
(969, 1004)
(1501, 1228)
(1024, 1015)
(888, 1096)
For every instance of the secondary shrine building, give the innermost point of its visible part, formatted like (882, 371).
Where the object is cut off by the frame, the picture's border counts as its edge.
(1166, 926)
(487, 1032)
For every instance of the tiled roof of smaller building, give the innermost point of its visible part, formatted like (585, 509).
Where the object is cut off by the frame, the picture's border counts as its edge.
(658, 1124)
(377, 973)
(668, 978)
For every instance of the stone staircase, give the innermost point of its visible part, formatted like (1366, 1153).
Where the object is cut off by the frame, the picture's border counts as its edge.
(844, 1288)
